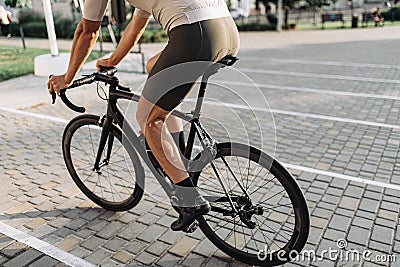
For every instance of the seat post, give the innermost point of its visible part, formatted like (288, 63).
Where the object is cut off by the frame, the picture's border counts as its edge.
(200, 96)
(226, 61)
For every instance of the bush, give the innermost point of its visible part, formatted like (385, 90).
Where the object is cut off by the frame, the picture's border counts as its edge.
(65, 28)
(34, 25)
(255, 26)
(392, 14)
(27, 15)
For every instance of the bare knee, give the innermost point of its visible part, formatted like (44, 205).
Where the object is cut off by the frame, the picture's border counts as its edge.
(150, 63)
(154, 121)
(140, 118)
(149, 66)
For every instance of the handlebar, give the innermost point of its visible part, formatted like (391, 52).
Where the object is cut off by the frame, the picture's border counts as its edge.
(104, 76)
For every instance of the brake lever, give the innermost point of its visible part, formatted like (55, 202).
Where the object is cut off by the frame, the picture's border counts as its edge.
(53, 94)
(53, 97)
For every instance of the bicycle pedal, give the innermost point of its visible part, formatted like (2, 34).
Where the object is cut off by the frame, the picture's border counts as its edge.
(191, 228)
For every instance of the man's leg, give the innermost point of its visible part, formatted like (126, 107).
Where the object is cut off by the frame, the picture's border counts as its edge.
(174, 124)
(187, 201)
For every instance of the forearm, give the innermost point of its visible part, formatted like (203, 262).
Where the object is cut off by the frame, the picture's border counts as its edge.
(131, 36)
(84, 39)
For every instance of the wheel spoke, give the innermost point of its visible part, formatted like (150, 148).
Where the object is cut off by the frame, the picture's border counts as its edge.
(274, 227)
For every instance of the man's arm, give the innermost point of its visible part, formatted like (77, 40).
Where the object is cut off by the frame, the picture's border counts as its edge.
(9, 17)
(130, 37)
(84, 39)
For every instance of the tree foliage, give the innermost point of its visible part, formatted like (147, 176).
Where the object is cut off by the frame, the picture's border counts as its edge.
(320, 3)
(18, 3)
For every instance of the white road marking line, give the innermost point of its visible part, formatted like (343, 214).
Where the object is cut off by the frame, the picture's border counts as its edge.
(325, 62)
(336, 175)
(342, 176)
(35, 115)
(43, 247)
(308, 90)
(319, 75)
(306, 115)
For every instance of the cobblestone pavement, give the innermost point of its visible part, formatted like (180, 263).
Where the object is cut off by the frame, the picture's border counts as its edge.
(343, 140)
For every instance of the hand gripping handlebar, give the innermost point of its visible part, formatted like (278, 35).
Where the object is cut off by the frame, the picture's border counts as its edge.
(104, 76)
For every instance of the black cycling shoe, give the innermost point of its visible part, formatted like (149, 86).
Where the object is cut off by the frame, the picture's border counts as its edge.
(187, 215)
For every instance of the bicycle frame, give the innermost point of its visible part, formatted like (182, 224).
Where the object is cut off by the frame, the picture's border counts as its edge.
(115, 115)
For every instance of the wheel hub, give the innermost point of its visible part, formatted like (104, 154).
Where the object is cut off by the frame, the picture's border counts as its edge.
(246, 209)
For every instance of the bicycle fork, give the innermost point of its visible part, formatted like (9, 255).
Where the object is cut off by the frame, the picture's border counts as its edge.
(106, 122)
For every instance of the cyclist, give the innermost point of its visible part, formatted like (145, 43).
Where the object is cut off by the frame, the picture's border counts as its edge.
(198, 30)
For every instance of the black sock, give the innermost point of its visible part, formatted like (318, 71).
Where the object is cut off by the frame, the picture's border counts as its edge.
(186, 183)
(179, 140)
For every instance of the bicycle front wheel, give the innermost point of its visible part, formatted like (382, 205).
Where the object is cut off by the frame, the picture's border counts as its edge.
(269, 222)
(118, 185)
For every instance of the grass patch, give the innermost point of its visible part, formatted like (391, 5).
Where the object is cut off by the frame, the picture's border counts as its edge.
(16, 61)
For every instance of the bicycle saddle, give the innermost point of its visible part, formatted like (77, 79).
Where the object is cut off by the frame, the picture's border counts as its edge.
(226, 61)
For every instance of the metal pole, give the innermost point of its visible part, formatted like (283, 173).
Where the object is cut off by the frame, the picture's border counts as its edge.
(279, 26)
(21, 32)
(51, 33)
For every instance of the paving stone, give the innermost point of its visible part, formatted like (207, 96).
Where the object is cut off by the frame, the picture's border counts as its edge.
(148, 218)
(114, 244)
(349, 203)
(169, 260)
(358, 235)
(184, 246)
(369, 205)
(44, 261)
(318, 222)
(24, 259)
(170, 237)
(69, 243)
(110, 230)
(80, 252)
(157, 248)
(98, 256)
(333, 234)
(377, 246)
(362, 222)
(152, 232)
(339, 222)
(122, 257)
(135, 247)
(132, 231)
(205, 248)
(76, 224)
(84, 233)
(382, 234)
(5, 241)
(145, 258)
(214, 262)
(14, 249)
(315, 236)
(93, 242)
(194, 260)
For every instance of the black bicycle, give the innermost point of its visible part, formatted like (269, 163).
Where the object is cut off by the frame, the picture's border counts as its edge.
(258, 213)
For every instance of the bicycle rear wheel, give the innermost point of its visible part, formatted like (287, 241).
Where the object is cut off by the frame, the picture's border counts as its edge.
(271, 222)
(118, 185)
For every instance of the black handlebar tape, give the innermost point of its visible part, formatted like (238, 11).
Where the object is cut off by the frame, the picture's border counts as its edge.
(70, 104)
(108, 70)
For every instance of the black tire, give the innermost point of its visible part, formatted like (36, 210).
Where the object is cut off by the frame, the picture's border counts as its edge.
(80, 143)
(283, 226)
